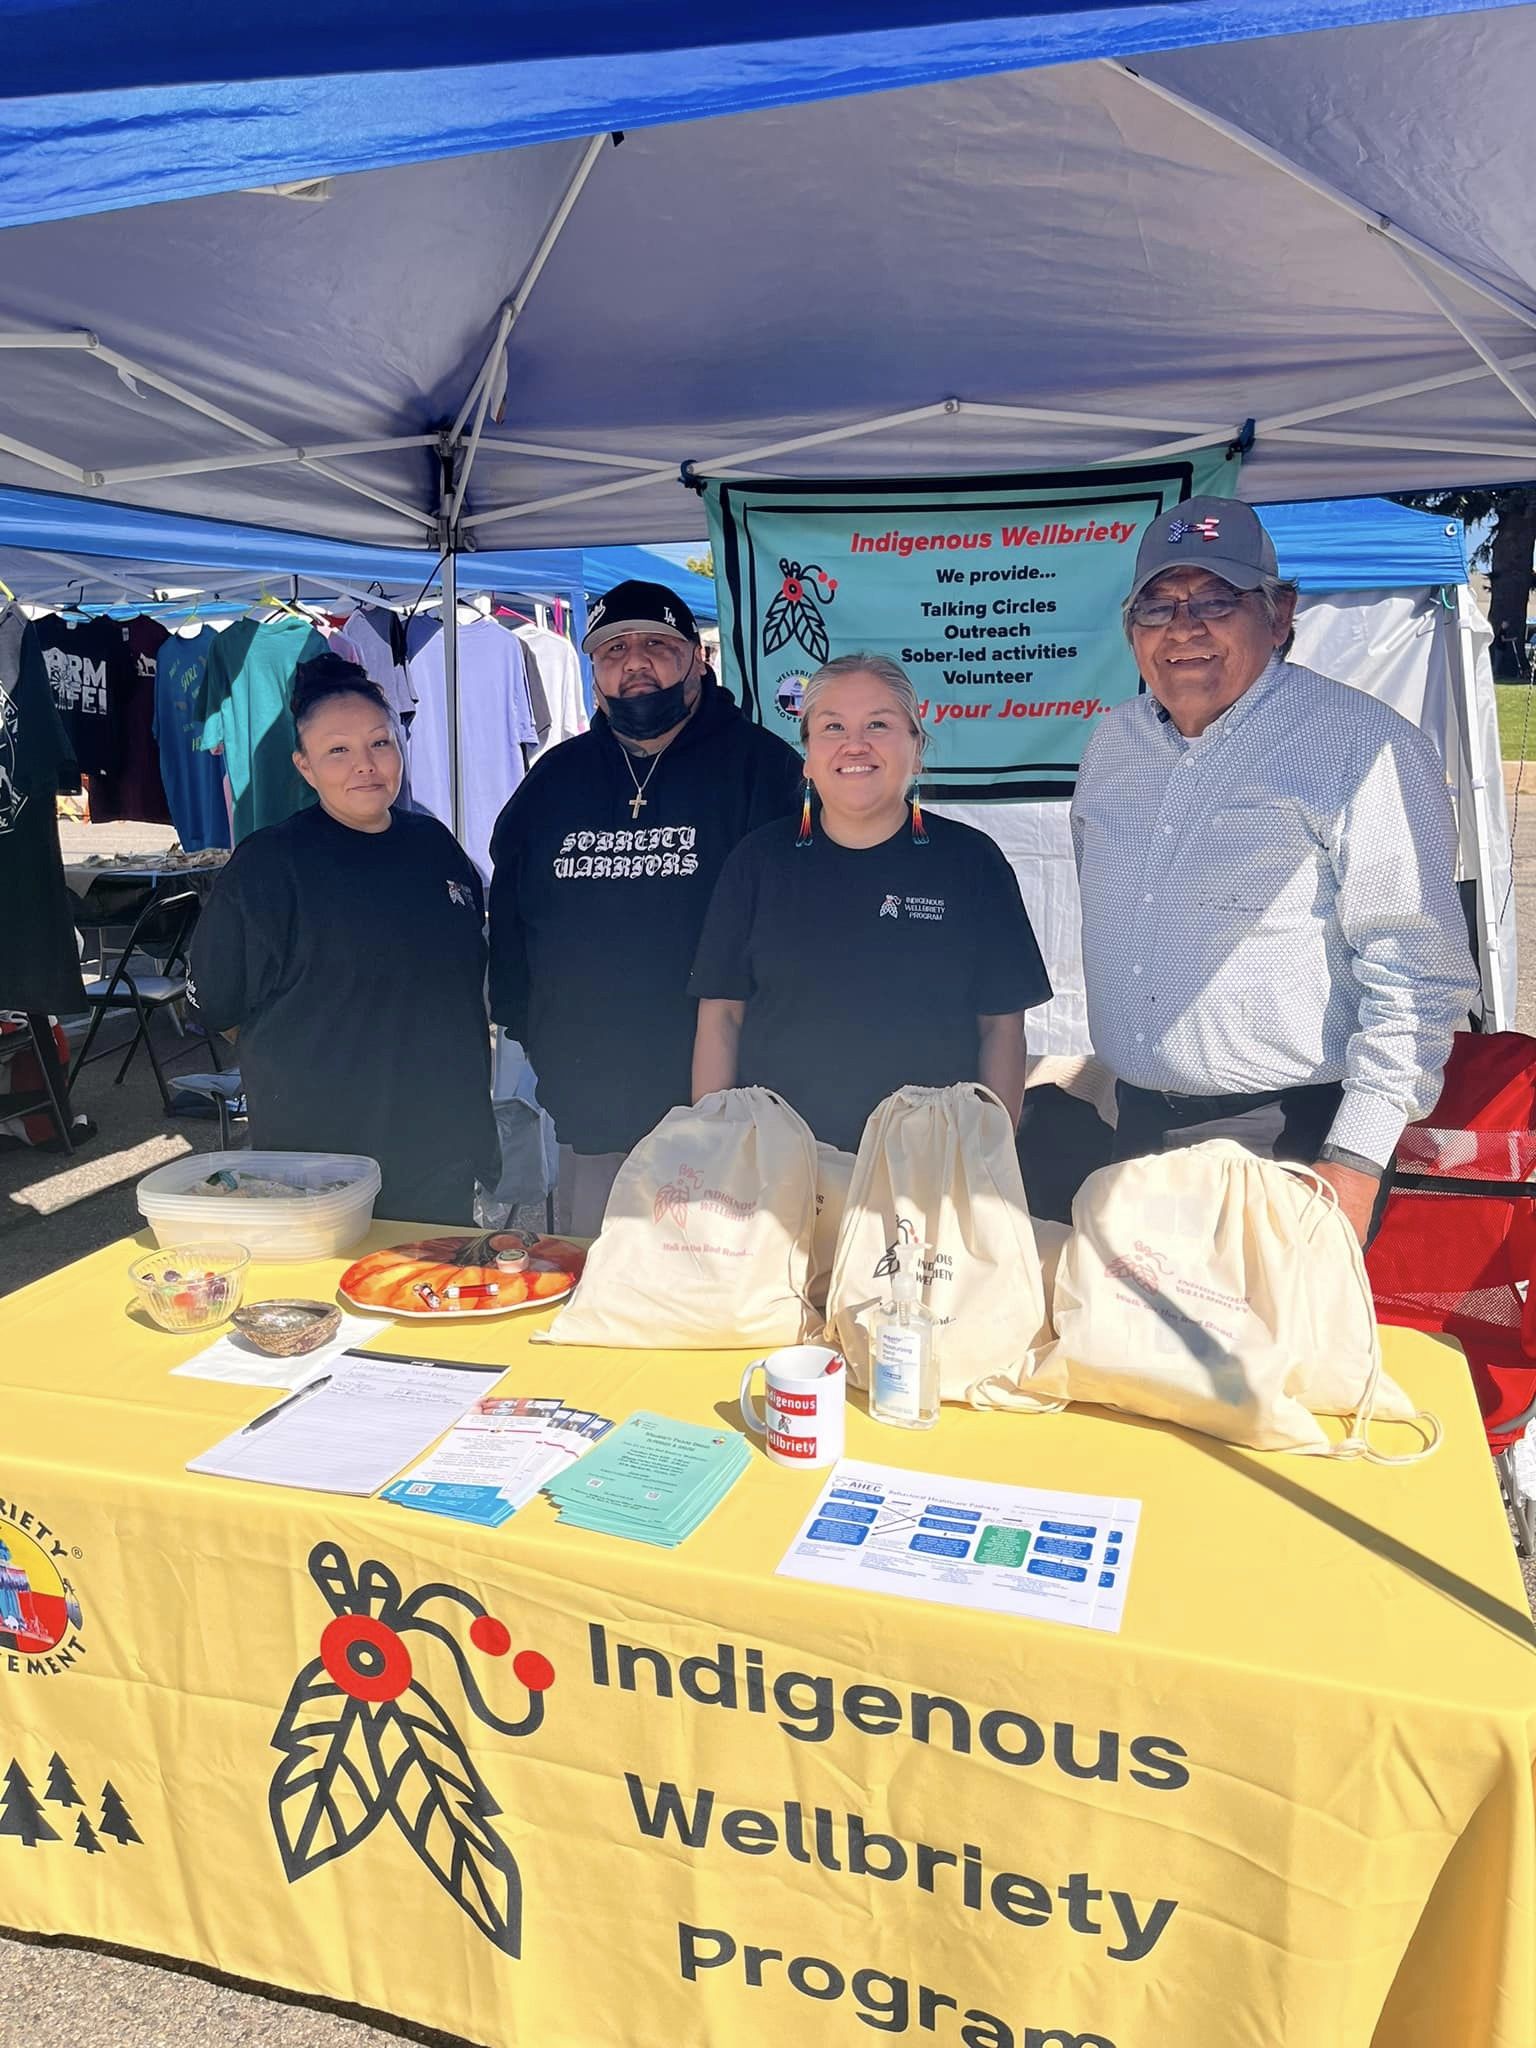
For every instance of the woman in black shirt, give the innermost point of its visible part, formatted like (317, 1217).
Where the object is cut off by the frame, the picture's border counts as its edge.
(347, 945)
(876, 951)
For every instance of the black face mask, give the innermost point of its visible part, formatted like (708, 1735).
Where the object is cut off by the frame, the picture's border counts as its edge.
(648, 713)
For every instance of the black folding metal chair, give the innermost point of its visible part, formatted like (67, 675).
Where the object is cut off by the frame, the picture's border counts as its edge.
(150, 974)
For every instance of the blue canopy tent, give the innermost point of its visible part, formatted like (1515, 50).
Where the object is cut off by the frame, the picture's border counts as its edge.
(186, 99)
(1366, 544)
(97, 554)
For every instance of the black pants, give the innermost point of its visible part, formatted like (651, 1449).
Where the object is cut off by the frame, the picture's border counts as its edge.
(1284, 1123)
(416, 1194)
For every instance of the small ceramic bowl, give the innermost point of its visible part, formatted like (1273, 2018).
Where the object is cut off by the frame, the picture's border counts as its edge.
(287, 1329)
(191, 1286)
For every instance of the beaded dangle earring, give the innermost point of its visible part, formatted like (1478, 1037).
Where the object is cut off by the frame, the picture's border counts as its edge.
(919, 830)
(804, 838)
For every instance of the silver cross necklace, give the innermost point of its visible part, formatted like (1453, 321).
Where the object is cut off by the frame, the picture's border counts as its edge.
(637, 801)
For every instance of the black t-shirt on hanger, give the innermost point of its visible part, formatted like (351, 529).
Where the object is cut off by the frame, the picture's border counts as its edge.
(77, 656)
(39, 957)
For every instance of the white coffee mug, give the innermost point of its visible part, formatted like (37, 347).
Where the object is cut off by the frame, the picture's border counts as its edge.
(803, 1398)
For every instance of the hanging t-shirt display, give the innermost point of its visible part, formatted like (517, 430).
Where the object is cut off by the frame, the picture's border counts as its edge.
(76, 654)
(127, 784)
(378, 642)
(244, 711)
(39, 958)
(495, 724)
(194, 780)
(554, 684)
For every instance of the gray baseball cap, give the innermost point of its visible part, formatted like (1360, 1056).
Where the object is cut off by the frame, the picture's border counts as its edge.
(1222, 535)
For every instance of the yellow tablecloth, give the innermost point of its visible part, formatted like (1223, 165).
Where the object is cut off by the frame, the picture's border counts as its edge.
(1291, 1802)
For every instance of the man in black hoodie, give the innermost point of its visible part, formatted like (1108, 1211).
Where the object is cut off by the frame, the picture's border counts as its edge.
(605, 860)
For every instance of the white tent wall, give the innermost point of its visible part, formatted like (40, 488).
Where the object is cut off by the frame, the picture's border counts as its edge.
(1404, 647)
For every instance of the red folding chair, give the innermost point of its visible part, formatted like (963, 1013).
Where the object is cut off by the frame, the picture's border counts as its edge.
(1457, 1244)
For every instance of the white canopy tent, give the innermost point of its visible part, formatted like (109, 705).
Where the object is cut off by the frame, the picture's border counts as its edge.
(1326, 233)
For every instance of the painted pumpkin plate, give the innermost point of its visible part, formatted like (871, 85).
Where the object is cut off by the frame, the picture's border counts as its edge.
(414, 1280)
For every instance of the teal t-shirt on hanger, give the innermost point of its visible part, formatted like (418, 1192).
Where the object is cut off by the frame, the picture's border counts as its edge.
(244, 710)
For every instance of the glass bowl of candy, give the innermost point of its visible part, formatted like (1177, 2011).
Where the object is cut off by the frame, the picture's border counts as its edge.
(191, 1286)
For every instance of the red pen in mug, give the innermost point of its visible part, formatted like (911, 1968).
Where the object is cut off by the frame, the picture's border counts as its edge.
(804, 1402)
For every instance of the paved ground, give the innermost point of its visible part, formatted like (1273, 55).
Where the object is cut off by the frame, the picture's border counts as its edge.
(78, 1995)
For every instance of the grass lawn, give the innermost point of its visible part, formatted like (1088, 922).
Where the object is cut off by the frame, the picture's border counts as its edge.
(1517, 720)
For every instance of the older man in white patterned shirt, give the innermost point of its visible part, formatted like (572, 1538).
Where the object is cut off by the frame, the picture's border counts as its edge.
(1273, 945)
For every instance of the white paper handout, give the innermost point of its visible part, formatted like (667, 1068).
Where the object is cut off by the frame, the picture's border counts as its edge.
(352, 1430)
(510, 1447)
(969, 1543)
(234, 1358)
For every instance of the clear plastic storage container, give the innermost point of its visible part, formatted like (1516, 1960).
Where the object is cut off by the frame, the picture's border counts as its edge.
(315, 1221)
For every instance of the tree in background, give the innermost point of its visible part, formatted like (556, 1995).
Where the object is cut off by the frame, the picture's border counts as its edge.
(85, 1837)
(1507, 555)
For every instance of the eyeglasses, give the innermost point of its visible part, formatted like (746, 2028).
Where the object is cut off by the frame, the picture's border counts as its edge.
(1162, 611)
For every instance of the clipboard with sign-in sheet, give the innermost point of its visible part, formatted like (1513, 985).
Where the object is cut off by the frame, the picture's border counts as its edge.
(354, 1429)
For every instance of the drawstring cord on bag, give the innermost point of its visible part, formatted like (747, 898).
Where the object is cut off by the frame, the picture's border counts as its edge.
(1356, 1444)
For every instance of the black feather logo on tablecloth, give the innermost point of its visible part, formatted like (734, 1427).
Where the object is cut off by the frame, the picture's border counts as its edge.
(362, 1738)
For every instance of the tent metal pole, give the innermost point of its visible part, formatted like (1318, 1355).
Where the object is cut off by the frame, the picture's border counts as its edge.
(1490, 963)
(451, 688)
(727, 462)
(92, 573)
(71, 337)
(1386, 396)
(1053, 417)
(510, 313)
(1443, 306)
(1376, 223)
(43, 460)
(1517, 451)
(208, 465)
(496, 444)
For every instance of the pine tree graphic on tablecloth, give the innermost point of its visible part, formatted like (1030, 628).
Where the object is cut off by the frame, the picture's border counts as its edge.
(61, 1786)
(85, 1837)
(20, 1813)
(116, 1820)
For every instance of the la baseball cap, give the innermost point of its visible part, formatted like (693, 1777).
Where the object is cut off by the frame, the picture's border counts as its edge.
(1222, 535)
(633, 606)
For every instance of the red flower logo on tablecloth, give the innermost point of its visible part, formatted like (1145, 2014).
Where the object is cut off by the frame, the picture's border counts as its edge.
(795, 613)
(362, 1737)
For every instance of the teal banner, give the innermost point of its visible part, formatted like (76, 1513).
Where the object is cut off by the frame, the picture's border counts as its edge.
(1000, 596)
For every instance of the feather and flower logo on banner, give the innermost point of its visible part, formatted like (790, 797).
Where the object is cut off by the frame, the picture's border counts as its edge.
(361, 1738)
(795, 614)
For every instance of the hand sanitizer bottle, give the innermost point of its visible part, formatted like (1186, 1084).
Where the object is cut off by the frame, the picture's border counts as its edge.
(904, 1379)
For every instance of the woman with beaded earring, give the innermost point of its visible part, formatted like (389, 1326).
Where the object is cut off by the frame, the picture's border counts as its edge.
(875, 949)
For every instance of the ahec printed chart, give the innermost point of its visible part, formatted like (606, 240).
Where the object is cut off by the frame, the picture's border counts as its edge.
(969, 1543)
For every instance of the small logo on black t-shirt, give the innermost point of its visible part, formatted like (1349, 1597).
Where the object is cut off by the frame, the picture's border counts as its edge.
(459, 893)
(891, 907)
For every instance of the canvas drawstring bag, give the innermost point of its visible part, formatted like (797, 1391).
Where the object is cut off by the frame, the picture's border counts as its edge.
(939, 1165)
(706, 1239)
(1211, 1288)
